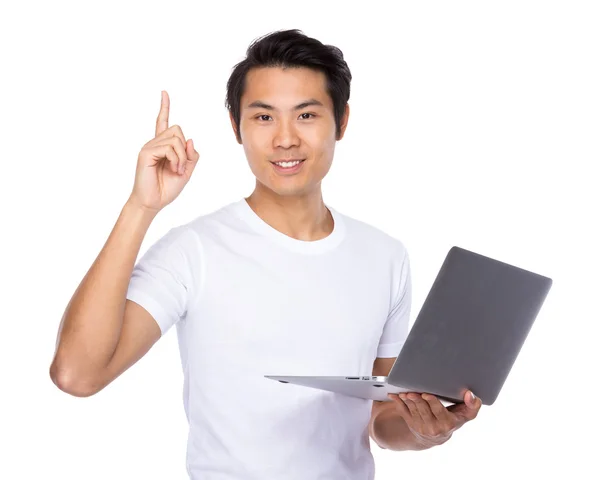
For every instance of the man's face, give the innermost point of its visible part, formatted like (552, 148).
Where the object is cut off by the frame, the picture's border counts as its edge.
(286, 131)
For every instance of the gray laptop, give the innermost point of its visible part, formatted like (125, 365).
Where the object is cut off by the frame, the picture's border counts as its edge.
(467, 334)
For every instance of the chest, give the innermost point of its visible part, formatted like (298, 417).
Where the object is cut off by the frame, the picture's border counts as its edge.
(322, 316)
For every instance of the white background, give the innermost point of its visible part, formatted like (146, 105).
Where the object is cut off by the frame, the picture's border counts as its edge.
(472, 124)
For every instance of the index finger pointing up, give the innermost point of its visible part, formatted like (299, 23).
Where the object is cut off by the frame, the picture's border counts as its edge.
(162, 122)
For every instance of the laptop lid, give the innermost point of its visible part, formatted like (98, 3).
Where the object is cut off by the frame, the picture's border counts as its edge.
(470, 328)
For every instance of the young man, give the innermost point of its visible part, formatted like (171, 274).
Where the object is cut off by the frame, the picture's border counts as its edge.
(276, 283)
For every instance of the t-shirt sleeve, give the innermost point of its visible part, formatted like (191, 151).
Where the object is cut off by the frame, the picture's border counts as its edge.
(161, 281)
(395, 330)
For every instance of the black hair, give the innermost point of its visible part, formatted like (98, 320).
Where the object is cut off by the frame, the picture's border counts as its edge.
(292, 49)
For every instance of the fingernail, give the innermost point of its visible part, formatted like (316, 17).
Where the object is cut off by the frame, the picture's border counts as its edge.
(473, 397)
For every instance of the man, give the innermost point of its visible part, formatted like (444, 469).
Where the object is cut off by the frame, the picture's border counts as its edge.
(276, 283)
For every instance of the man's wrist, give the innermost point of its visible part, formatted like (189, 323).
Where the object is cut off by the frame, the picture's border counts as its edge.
(428, 442)
(135, 208)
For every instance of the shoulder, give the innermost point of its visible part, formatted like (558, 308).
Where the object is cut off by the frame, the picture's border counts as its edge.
(222, 217)
(373, 238)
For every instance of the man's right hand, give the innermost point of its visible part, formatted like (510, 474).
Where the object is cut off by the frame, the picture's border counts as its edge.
(165, 164)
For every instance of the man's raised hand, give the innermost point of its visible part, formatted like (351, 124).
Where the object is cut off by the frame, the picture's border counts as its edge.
(165, 164)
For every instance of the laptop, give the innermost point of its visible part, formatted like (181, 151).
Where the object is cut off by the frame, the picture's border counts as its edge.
(467, 334)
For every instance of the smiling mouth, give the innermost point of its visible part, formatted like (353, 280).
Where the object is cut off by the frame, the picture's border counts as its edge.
(289, 163)
(288, 168)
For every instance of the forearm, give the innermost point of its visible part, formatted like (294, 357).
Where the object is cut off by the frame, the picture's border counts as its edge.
(91, 325)
(390, 431)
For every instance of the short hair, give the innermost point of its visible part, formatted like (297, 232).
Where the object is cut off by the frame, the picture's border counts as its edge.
(292, 49)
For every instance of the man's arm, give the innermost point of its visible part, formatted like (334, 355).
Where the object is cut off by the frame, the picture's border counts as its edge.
(101, 333)
(387, 427)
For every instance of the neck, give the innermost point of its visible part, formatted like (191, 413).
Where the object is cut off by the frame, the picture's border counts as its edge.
(303, 217)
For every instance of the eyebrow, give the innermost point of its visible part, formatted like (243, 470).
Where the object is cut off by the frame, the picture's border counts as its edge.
(307, 103)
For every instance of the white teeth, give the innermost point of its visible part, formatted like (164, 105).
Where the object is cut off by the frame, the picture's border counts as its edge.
(288, 164)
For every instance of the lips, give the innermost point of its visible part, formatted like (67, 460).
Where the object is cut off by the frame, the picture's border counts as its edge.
(286, 171)
(287, 160)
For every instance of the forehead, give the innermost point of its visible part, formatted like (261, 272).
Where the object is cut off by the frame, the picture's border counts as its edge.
(284, 88)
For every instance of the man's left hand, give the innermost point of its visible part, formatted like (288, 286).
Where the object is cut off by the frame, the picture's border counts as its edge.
(429, 421)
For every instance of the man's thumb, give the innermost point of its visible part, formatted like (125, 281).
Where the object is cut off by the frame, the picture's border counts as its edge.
(192, 154)
(472, 400)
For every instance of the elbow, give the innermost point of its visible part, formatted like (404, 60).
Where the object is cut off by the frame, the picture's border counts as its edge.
(372, 432)
(67, 381)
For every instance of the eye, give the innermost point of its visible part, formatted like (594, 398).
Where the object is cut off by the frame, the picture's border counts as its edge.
(260, 117)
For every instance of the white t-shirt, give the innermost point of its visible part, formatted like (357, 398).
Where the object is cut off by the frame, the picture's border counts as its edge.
(248, 301)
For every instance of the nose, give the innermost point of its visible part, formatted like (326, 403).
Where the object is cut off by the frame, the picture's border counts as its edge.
(286, 135)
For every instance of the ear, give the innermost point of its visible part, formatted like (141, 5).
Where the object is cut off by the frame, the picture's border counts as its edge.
(344, 121)
(237, 136)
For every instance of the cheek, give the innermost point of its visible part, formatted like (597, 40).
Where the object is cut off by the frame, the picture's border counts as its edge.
(254, 147)
(326, 149)
(256, 142)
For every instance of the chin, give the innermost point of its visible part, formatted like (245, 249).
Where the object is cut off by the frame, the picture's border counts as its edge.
(285, 190)
(288, 192)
